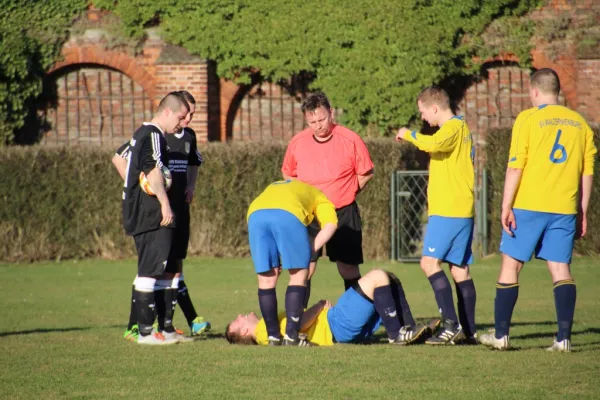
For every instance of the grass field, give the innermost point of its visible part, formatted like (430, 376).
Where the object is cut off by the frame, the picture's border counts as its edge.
(62, 324)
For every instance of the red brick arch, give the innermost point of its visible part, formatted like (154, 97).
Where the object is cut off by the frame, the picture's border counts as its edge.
(119, 61)
(565, 69)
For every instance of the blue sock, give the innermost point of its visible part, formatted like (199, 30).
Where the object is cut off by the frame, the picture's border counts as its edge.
(443, 295)
(294, 308)
(406, 317)
(386, 308)
(267, 300)
(466, 299)
(565, 294)
(307, 296)
(504, 304)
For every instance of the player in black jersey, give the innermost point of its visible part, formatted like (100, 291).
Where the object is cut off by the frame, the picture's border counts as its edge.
(184, 160)
(150, 219)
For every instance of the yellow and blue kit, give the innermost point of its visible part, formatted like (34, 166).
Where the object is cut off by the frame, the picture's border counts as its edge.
(554, 146)
(352, 320)
(277, 221)
(450, 191)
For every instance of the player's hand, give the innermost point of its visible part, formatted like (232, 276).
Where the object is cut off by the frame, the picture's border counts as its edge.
(167, 215)
(581, 226)
(400, 135)
(189, 194)
(508, 221)
(326, 303)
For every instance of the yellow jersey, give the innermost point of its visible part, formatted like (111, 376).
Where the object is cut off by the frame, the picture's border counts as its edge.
(451, 175)
(317, 333)
(554, 147)
(301, 199)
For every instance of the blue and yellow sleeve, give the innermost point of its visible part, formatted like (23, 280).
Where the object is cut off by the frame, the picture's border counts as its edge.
(325, 210)
(590, 152)
(444, 140)
(519, 144)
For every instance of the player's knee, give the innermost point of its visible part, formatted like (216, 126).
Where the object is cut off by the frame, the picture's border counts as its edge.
(379, 276)
(429, 265)
(460, 274)
(145, 284)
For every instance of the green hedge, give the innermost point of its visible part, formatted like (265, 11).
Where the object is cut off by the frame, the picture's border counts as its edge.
(65, 203)
(498, 145)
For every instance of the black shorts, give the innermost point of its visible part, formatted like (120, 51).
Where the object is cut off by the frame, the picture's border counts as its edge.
(153, 249)
(181, 236)
(346, 244)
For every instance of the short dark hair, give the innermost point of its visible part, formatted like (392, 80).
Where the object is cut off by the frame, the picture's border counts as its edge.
(314, 101)
(173, 101)
(236, 338)
(187, 96)
(434, 95)
(546, 80)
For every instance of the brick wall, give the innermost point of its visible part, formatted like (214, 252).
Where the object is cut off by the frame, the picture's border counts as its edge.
(95, 93)
(226, 111)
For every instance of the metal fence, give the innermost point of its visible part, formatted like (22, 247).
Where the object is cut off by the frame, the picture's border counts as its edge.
(408, 208)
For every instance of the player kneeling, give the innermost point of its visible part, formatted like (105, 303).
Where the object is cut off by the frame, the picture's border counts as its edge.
(376, 298)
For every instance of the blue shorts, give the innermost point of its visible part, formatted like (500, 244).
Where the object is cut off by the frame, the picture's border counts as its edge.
(449, 239)
(273, 233)
(550, 236)
(353, 318)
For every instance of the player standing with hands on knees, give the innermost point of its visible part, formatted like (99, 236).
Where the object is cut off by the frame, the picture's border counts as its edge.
(548, 185)
(150, 219)
(277, 221)
(450, 206)
(336, 161)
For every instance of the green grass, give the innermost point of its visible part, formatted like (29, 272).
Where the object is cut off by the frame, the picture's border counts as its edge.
(61, 331)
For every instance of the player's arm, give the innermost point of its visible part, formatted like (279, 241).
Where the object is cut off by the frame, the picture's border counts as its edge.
(586, 192)
(325, 213)
(586, 180)
(363, 165)
(364, 179)
(444, 140)
(310, 315)
(288, 168)
(151, 163)
(194, 162)
(517, 160)
(511, 183)
(119, 160)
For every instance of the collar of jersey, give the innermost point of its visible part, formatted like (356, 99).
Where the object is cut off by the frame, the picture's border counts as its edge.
(154, 125)
(180, 135)
(324, 141)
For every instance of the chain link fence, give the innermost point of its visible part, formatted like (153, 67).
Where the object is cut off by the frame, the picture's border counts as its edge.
(408, 208)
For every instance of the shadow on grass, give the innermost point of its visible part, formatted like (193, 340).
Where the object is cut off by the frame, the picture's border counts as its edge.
(481, 327)
(41, 330)
(542, 335)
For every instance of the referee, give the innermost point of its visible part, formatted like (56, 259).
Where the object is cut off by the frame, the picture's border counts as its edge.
(335, 160)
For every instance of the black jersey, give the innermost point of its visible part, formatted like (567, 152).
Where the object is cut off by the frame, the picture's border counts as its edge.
(146, 150)
(182, 152)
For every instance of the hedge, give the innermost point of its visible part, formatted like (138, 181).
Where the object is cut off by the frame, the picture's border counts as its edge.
(497, 148)
(65, 202)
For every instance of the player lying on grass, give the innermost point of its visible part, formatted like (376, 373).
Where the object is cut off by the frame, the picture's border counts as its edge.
(376, 298)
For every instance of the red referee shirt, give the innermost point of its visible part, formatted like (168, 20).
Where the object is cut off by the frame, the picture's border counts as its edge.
(332, 166)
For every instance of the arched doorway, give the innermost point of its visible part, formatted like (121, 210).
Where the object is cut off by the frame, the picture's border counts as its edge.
(93, 104)
(268, 111)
